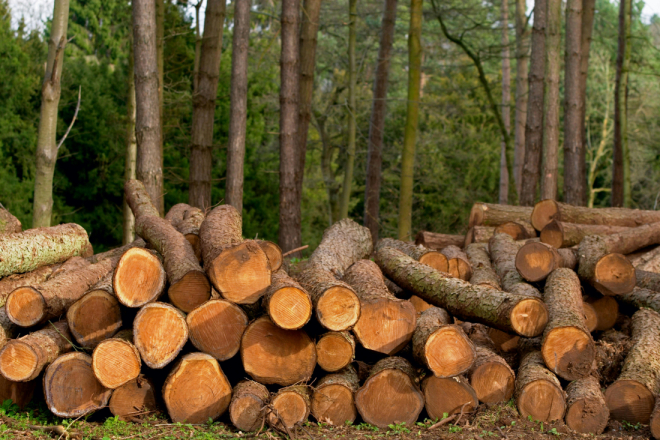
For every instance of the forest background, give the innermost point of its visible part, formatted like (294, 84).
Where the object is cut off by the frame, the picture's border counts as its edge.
(458, 143)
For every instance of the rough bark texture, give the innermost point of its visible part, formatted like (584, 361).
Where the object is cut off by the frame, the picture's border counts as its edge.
(503, 251)
(8, 223)
(159, 333)
(483, 273)
(247, 409)
(185, 218)
(648, 261)
(33, 278)
(647, 280)
(204, 95)
(130, 162)
(377, 121)
(333, 399)
(641, 297)
(222, 229)
(479, 234)
(468, 302)
(437, 242)
(538, 392)
(588, 11)
(587, 412)
(458, 263)
(561, 234)
(434, 259)
(522, 87)
(116, 252)
(343, 244)
(335, 350)
(286, 302)
(491, 214)
(290, 406)
(20, 393)
(131, 400)
(26, 251)
(535, 261)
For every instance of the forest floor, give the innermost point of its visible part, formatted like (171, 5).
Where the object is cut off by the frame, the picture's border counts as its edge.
(494, 422)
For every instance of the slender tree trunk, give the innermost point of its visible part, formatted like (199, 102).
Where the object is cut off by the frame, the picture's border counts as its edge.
(412, 116)
(131, 151)
(352, 84)
(575, 181)
(588, 10)
(160, 50)
(377, 123)
(290, 198)
(522, 69)
(238, 109)
(308, 38)
(204, 96)
(47, 135)
(534, 124)
(621, 165)
(506, 98)
(149, 167)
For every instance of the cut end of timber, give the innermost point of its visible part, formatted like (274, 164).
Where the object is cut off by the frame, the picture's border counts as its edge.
(629, 400)
(338, 309)
(290, 308)
(590, 316)
(273, 252)
(535, 261)
(587, 416)
(241, 273)
(607, 311)
(18, 361)
(385, 325)
(25, 307)
(449, 352)
(190, 291)
(139, 278)
(614, 275)
(159, 332)
(553, 234)
(515, 230)
(459, 268)
(544, 212)
(404, 401)
(116, 362)
(493, 382)
(334, 404)
(133, 398)
(94, 318)
(213, 318)
(569, 352)
(448, 396)
(476, 216)
(248, 410)
(542, 400)
(654, 424)
(529, 317)
(333, 352)
(289, 408)
(436, 260)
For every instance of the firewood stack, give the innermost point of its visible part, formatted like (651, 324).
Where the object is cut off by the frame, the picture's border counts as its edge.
(443, 325)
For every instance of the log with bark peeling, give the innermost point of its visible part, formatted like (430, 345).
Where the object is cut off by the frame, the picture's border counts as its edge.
(561, 234)
(483, 273)
(286, 302)
(159, 333)
(491, 214)
(437, 242)
(134, 399)
(116, 361)
(217, 317)
(187, 220)
(8, 223)
(503, 251)
(248, 407)
(335, 350)
(434, 259)
(333, 401)
(587, 412)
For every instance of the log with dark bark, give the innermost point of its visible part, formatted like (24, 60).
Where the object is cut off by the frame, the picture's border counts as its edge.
(479, 234)
(513, 313)
(395, 378)
(457, 262)
(20, 393)
(437, 242)
(631, 397)
(188, 284)
(217, 317)
(434, 259)
(23, 359)
(70, 388)
(491, 214)
(289, 406)
(535, 261)
(386, 323)
(587, 412)
(196, 390)
(133, 399)
(286, 302)
(483, 273)
(8, 223)
(538, 392)
(272, 355)
(448, 396)
(273, 252)
(159, 333)
(247, 410)
(139, 277)
(606, 309)
(441, 346)
(518, 230)
(333, 400)
(641, 297)
(561, 234)
(116, 252)
(503, 251)
(335, 350)
(546, 211)
(26, 251)
(187, 220)
(116, 361)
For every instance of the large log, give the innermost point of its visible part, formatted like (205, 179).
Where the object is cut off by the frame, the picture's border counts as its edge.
(503, 251)
(187, 220)
(567, 346)
(640, 297)
(26, 251)
(440, 345)
(333, 401)
(116, 361)
(133, 399)
(538, 392)
(490, 376)
(8, 223)
(587, 412)
(547, 210)
(643, 256)
(159, 333)
(23, 359)
(116, 252)
(286, 302)
(335, 350)
(560, 234)
(483, 273)
(248, 407)
(632, 396)
(457, 262)
(196, 390)
(386, 323)
(535, 261)
(20, 393)
(448, 396)
(512, 313)
(393, 379)
(70, 388)
(272, 355)
(239, 269)
(434, 259)
(491, 214)
(419, 304)
(213, 318)
(290, 406)
(437, 242)
(139, 277)
(189, 286)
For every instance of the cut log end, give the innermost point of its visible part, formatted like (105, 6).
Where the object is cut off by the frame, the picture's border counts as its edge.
(553, 234)
(133, 398)
(587, 416)
(213, 318)
(629, 400)
(654, 423)
(335, 403)
(436, 260)
(568, 351)
(190, 291)
(334, 351)
(18, 361)
(139, 278)
(248, 409)
(614, 275)
(448, 395)
(25, 307)
(541, 400)
(20, 393)
(290, 308)
(514, 229)
(385, 325)
(116, 362)
(289, 408)
(338, 309)
(159, 332)
(529, 317)
(544, 212)
(93, 318)
(493, 382)
(535, 261)
(449, 352)
(419, 304)
(607, 312)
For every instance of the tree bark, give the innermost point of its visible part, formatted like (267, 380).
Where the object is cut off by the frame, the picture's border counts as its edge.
(561, 234)
(132, 398)
(436, 241)
(647, 280)
(522, 88)
(335, 350)
(503, 251)
(20, 393)
(131, 150)
(642, 297)
(448, 396)
(377, 122)
(287, 304)
(273, 253)
(159, 333)
(483, 273)
(148, 130)
(491, 377)
(160, 60)
(116, 361)
(247, 410)
(8, 223)
(412, 116)
(434, 259)
(491, 214)
(350, 109)
(333, 399)
(506, 99)
(587, 412)
(588, 11)
(538, 392)
(238, 105)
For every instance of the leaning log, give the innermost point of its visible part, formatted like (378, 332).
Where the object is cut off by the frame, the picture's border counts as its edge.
(560, 234)
(437, 242)
(333, 401)
(434, 259)
(217, 317)
(491, 214)
(448, 396)
(248, 407)
(587, 412)
(503, 251)
(187, 220)
(159, 333)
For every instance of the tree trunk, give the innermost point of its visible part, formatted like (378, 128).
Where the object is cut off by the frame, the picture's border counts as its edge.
(333, 399)
(116, 252)
(551, 101)
(290, 197)
(647, 261)
(386, 324)
(285, 357)
(560, 234)
(412, 116)
(350, 109)
(522, 86)
(536, 261)
(249, 401)
(187, 220)
(575, 179)
(436, 241)
(189, 286)
(159, 333)
(148, 130)
(587, 412)
(70, 388)
(538, 392)
(642, 297)
(287, 304)
(491, 214)
(458, 263)
(196, 390)
(506, 99)
(238, 106)
(217, 317)
(434, 259)
(46, 154)
(448, 396)
(377, 122)
(139, 278)
(503, 251)
(160, 60)
(132, 399)
(534, 124)
(335, 350)
(393, 377)
(131, 150)
(513, 313)
(116, 361)
(621, 161)
(290, 406)
(479, 234)
(483, 273)
(588, 11)
(8, 223)
(631, 397)
(647, 280)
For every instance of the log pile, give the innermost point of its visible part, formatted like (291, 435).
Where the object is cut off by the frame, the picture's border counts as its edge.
(395, 328)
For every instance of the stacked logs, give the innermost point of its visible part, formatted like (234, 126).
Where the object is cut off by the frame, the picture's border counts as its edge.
(444, 325)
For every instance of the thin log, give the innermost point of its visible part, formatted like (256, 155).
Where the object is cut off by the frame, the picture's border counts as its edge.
(561, 234)
(518, 230)
(434, 259)
(139, 277)
(491, 214)
(247, 410)
(479, 234)
(333, 401)
(437, 242)
(587, 412)
(503, 251)
(187, 220)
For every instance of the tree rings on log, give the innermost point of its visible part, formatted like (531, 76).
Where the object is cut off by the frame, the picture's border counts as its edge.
(448, 396)
(289, 407)
(93, 318)
(213, 318)
(159, 332)
(335, 350)
(139, 277)
(287, 303)
(134, 398)
(535, 261)
(333, 399)
(419, 304)
(518, 230)
(606, 309)
(491, 377)
(538, 391)
(458, 264)
(115, 362)
(248, 407)
(190, 291)
(587, 412)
